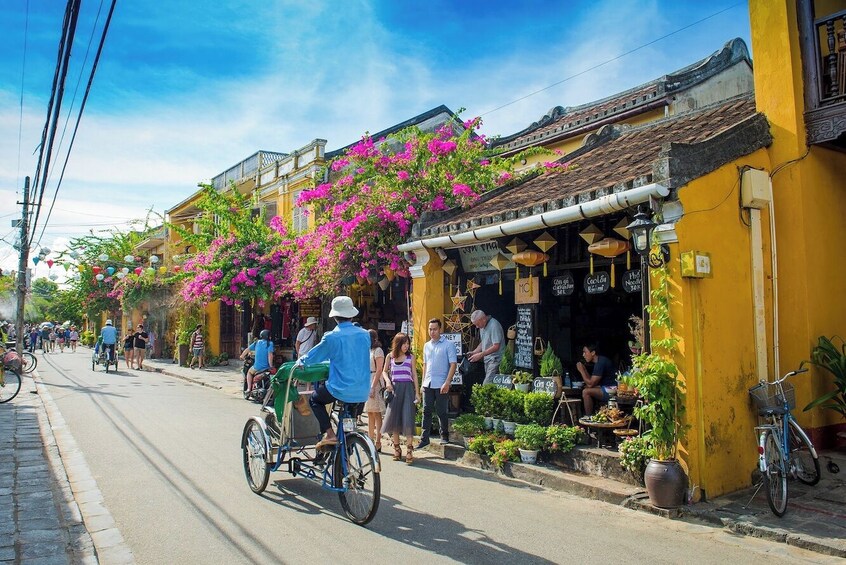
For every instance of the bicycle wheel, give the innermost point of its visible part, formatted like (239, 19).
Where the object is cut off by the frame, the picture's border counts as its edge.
(10, 385)
(107, 365)
(28, 362)
(360, 500)
(803, 460)
(775, 474)
(256, 467)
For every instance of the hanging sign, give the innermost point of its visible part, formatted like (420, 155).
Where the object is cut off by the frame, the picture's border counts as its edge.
(310, 307)
(597, 283)
(502, 381)
(547, 385)
(455, 339)
(632, 281)
(478, 258)
(524, 342)
(527, 291)
(563, 285)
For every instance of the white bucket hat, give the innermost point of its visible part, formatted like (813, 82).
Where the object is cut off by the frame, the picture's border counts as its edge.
(342, 307)
(311, 320)
(108, 322)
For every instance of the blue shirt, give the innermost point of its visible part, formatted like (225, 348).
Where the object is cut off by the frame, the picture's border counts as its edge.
(437, 357)
(347, 348)
(109, 335)
(262, 347)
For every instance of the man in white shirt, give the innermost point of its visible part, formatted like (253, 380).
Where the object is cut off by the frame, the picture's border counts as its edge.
(307, 337)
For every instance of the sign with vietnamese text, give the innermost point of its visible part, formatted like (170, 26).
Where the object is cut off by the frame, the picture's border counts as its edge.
(597, 283)
(563, 285)
(632, 281)
(477, 258)
(502, 381)
(527, 291)
(524, 342)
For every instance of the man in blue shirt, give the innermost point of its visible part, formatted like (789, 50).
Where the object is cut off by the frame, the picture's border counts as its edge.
(263, 349)
(600, 382)
(347, 348)
(439, 363)
(109, 336)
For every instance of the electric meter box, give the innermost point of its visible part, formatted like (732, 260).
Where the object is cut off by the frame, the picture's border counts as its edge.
(755, 189)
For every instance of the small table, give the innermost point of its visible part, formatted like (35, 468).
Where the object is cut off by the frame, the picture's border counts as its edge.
(604, 430)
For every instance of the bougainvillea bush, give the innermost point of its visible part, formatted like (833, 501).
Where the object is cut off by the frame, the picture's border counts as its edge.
(380, 189)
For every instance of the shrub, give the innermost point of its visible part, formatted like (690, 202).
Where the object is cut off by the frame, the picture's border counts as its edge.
(481, 397)
(513, 410)
(530, 436)
(484, 444)
(505, 450)
(87, 338)
(635, 453)
(561, 439)
(499, 403)
(469, 425)
(506, 363)
(538, 407)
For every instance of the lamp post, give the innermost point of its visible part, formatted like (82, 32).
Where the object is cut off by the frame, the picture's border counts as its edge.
(641, 230)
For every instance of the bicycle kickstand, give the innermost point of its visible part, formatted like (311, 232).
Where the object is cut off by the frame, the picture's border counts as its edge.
(754, 494)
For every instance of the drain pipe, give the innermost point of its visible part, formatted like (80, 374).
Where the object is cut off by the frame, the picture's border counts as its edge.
(598, 207)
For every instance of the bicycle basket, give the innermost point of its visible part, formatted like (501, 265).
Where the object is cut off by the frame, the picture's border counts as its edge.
(765, 395)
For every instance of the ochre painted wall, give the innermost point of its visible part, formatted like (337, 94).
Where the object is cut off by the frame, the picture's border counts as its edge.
(427, 299)
(212, 327)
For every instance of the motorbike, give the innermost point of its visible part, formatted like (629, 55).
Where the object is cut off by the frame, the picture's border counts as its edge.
(261, 382)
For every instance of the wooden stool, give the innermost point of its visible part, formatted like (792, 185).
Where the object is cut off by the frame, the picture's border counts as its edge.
(574, 409)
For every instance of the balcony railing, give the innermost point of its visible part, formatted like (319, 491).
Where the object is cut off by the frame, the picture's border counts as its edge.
(246, 168)
(823, 44)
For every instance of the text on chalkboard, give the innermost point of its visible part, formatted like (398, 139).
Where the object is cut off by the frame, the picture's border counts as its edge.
(524, 342)
(597, 283)
(563, 285)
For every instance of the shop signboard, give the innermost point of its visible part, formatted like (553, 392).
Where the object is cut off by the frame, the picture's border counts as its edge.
(527, 291)
(597, 283)
(563, 285)
(632, 281)
(455, 339)
(386, 326)
(310, 307)
(502, 381)
(524, 342)
(547, 385)
(477, 258)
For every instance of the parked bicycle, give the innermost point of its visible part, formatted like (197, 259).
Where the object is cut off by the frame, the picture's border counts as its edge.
(10, 384)
(28, 360)
(784, 450)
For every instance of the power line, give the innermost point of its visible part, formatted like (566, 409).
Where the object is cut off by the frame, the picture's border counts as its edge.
(629, 52)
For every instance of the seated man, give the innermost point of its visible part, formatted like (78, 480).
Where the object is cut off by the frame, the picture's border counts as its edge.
(109, 336)
(263, 350)
(347, 348)
(601, 381)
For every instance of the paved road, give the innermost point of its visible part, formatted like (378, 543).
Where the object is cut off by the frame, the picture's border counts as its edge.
(166, 456)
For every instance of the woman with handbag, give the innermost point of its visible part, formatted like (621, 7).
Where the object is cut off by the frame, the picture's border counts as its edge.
(401, 381)
(375, 405)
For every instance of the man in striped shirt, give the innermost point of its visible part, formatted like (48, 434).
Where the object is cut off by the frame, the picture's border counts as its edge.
(197, 345)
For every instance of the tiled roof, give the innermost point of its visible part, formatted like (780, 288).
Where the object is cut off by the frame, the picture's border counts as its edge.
(564, 122)
(616, 156)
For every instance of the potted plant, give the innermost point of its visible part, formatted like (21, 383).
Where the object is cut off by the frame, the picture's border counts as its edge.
(469, 426)
(481, 397)
(530, 439)
(538, 408)
(828, 356)
(506, 362)
(551, 367)
(561, 439)
(513, 412)
(504, 451)
(635, 453)
(655, 375)
(497, 405)
(522, 380)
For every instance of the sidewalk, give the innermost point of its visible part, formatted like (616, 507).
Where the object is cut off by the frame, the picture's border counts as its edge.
(815, 520)
(40, 522)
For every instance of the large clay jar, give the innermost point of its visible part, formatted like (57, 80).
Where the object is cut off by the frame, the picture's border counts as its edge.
(666, 483)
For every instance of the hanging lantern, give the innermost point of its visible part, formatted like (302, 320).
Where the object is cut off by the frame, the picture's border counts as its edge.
(138, 270)
(150, 270)
(100, 277)
(516, 245)
(66, 266)
(53, 277)
(96, 269)
(49, 263)
(137, 258)
(176, 268)
(36, 260)
(608, 247)
(591, 234)
(129, 258)
(384, 283)
(622, 229)
(154, 259)
(110, 270)
(545, 242)
(499, 262)
(80, 267)
(74, 255)
(530, 258)
(389, 273)
(103, 257)
(162, 269)
(450, 268)
(125, 270)
(120, 275)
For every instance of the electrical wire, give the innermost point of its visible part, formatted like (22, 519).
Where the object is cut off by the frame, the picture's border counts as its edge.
(79, 115)
(618, 57)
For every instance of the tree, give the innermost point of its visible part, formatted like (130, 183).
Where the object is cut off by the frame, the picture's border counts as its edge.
(42, 295)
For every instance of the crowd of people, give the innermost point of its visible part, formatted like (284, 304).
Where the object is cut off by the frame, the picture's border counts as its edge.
(49, 337)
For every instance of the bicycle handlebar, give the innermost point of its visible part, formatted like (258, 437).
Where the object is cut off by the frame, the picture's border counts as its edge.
(790, 374)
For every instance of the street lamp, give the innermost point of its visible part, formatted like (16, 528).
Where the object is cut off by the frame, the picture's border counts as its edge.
(641, 229)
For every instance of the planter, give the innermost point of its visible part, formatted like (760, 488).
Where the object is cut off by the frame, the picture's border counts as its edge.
(509, 427)
(467, 441)
(489, 423)
(184, 356)
(528, 455)
(666, 483)
(495, 423)
(523, 387)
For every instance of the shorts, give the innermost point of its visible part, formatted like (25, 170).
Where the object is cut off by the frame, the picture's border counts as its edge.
(606, 392)
(197, 351)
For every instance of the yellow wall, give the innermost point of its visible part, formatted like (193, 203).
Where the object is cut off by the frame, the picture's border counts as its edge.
(427, 300)
(212, 327)
(810, 200)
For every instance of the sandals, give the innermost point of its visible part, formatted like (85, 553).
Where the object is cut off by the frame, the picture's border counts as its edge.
(397, 453)
(409, 455)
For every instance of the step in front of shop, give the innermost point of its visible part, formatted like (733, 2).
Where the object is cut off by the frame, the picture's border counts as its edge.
(596, 462)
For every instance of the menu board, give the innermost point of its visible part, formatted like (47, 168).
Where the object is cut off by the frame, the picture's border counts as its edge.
(502, 381)
(632, 281)
(563, 285)
(524, 342)
(597, 283)
(546, 385)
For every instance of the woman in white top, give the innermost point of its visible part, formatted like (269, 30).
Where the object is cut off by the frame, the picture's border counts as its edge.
(375, 405)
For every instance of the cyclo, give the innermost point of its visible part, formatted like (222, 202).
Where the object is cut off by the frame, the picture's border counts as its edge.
(282, 436)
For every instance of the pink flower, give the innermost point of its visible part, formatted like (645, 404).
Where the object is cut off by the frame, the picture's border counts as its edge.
(402, 175)
(462, 190)
(339, 164)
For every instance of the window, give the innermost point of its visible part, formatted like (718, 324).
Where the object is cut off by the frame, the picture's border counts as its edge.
(299, 219)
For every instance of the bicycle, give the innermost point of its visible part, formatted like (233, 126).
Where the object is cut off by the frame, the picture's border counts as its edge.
(283, 436)
(784, 449)
(28, 361)
(10, 384)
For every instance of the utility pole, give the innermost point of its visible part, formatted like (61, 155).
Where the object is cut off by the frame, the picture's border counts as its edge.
(21, 289)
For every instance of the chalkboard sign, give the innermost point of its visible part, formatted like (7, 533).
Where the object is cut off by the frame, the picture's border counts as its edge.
(563, 285)
(546, 385)
(632, 281)
(524, 342)
(597, 283)
(502, 381)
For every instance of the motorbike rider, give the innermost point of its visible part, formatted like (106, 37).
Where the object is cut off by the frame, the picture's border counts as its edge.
(263, 350)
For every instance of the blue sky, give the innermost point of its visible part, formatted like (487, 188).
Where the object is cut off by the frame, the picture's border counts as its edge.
(186, 89)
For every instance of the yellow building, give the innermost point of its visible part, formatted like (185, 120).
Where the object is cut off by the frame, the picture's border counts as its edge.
(734, 183)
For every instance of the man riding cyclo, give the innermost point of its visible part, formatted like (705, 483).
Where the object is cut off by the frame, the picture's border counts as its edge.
(347, 348)
(108, 337)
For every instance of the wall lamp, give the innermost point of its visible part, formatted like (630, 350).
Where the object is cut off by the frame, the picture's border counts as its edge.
(641, 229)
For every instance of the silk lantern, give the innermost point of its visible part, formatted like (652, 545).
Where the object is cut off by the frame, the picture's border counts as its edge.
(96, 269)
(162, 269)
(545, 242)
(154, 259)
(530, 258)
(103, 257)
(449, 268)
(49, 263)
(591, 234)
(608, 247)
(499, 262)
(120, 275)
(53, 277)
(125, 270)
(110, 270)
(622, 229)
(138, 270)
(100, 277)
(129, 258)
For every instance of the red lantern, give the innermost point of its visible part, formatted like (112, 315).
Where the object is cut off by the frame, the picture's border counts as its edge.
(50, 263)
(138, 270)
(176, 268)
(96, 269)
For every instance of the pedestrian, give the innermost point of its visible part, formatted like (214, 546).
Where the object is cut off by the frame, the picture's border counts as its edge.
(60, 338)
(151, 344)
(490, 346)
(33, 339)
(140, 349)
(440, 360)
(307, 338)
(45, 339)
(400, 376)
(375, 404)
(197, 345)
(73, 337)
(51, 337)
(128, 345)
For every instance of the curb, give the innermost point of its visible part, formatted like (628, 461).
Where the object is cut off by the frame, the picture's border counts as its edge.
(94, 533)
(183, 377)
